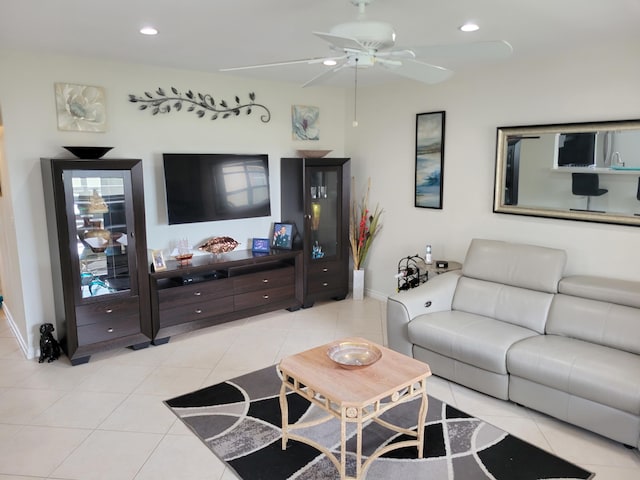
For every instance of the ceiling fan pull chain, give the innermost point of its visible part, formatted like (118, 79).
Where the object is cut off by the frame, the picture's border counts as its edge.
(355, 97)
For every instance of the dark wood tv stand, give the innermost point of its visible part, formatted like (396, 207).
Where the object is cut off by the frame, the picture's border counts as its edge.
(219, 288)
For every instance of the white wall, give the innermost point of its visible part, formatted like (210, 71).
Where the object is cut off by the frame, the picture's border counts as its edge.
(382, 146)
(561, 90)
(30, 132)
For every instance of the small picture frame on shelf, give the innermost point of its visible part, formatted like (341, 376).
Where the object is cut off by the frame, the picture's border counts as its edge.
(158, 261)
(260, 245)
(282, 236)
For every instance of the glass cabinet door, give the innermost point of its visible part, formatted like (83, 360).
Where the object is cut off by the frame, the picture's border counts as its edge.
(98, 230)
(324, 203)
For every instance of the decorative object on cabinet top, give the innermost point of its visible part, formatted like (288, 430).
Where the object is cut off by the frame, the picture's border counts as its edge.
(218, 245)
(88, 152)
(199, 103)
(183, 253)
(363, 226)
(313, 153)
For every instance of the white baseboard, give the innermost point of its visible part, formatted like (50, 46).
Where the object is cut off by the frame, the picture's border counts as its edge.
(28, 353)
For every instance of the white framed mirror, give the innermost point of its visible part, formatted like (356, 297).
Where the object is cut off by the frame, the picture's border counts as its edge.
(578, 171)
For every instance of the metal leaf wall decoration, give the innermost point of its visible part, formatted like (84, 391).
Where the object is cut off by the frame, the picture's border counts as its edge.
(201, 104)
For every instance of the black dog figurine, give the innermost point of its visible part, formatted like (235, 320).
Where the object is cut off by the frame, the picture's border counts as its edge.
(49, 346)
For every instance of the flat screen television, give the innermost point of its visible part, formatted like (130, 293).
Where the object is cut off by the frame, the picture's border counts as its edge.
(216, 186)
(577, 149)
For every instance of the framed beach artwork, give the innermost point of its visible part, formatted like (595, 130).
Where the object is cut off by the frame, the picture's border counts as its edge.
(429, 159)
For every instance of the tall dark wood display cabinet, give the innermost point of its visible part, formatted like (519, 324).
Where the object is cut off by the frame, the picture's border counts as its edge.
(96, 223)
(315, 197)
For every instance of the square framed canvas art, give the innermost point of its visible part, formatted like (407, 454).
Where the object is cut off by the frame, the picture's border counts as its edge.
(80, 108)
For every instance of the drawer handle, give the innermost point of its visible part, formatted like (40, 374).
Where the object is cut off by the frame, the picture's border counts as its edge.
(110, 330)
(265, 296)
(109, 310)
(325, 284)
(266, 280)
(325, 270)
(198, 311)
(196, 294)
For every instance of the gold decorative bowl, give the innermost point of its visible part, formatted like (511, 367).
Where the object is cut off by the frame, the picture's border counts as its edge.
(351, 354)
(313, 153)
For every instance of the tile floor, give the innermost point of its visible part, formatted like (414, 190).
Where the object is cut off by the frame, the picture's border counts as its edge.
(106, 419)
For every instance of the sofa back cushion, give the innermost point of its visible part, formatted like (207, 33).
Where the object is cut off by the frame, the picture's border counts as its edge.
(597, 310)
(515, 305)
(514, 264)
(613, 290)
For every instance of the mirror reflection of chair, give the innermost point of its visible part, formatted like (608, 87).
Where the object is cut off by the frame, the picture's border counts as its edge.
(586, 185)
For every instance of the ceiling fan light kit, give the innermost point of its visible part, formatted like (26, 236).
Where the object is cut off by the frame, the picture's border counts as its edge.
(367, 34)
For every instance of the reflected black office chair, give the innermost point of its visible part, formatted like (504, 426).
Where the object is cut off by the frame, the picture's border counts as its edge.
(586, 185)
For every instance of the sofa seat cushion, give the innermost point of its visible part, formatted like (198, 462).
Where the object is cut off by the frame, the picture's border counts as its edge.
(593, 372)
(467, 337)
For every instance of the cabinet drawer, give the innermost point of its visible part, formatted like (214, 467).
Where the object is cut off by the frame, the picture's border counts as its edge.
(195, 310)
(107, 310)
(264, 296)
(109, 328)
(326, 276)
(196, 293)
(279, 277)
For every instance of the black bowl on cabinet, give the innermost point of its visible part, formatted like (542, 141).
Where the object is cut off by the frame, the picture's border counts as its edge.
(88, 152)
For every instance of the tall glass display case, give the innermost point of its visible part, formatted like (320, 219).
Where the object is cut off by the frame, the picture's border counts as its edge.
(315, 197)
(97, 238)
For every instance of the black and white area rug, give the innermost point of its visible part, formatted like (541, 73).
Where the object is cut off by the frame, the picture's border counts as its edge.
(239, 420)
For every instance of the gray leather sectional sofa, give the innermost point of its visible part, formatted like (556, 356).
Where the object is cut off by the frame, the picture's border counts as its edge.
(511, 326)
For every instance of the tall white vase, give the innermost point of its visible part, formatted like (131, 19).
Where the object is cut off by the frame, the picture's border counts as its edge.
(358, 284)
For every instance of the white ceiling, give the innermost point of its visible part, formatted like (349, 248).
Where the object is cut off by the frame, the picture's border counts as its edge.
(208, 35)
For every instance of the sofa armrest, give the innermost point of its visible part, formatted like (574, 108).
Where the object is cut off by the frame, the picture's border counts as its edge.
(436, 295)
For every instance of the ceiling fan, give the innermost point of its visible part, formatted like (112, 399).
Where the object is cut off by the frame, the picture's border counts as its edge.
(365, 43)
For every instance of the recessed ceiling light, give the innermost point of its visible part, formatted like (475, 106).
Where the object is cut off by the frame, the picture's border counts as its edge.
(148, 31)
(329, 62)
(469, 27)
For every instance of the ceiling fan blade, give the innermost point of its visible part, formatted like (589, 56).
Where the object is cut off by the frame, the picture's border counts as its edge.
(467, 52)
(324, 75)
(309, 61)
(341, 42)
(420, 71)
(405, 53)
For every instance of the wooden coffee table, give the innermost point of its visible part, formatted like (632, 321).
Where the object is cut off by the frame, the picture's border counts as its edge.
(354, 396)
